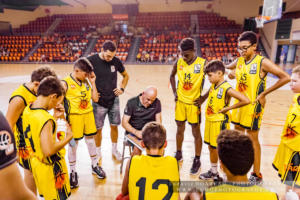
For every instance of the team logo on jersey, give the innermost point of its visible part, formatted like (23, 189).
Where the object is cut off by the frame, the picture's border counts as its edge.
(197, 68)
(112, 68)
(73, 86)
(220, 93)
(6, 142)
(240, 66)
(180, 67)
(253, 68)
(290, 132)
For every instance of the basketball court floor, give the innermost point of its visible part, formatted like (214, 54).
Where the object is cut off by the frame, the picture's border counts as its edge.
(141, 76)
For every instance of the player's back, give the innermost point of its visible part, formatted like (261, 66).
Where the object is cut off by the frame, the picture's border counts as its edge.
(153, 177)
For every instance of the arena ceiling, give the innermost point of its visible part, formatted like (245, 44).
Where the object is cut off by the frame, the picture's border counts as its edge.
(28, 5)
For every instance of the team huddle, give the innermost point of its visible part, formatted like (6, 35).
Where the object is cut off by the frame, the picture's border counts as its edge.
(83, 99)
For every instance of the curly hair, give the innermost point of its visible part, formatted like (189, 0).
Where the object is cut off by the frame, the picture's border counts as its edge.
(248, 36)
(187, 44)
(40, 73)
(235, 151)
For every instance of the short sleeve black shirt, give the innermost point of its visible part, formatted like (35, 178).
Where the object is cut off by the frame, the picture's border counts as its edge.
(106, 78)
(139, 115)
(7, 144)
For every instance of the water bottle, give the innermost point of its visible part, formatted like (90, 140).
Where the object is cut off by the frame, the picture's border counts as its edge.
(291, 195)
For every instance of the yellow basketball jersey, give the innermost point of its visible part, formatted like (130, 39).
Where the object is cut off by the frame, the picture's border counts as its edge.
(248, 77)
(28, 97)
(217, 101)
(78, 96)
(153, 178)
(34, 120)
(290, 134)
(236, 192)
(190, 80)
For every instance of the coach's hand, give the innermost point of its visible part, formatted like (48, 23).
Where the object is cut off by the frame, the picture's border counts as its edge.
(118, 92)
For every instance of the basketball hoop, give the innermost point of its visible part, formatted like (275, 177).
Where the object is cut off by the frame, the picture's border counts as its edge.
(260, 20)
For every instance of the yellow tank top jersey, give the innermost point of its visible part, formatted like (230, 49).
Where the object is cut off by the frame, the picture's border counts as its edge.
(153, 178)
(217, 101)
(190, 80)
(248, 77)
(237, 192)
(34, 120)
(291, 132)
(28, 97)
(78, 96)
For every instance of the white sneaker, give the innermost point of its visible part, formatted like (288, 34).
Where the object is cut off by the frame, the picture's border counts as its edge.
(116, 154)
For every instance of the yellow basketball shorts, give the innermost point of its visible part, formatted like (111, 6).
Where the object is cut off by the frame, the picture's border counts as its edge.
(248, 116)
(187, 112)
(52, 181)
(23, 151)
(287, 163)
(212, 131)
(82, 124)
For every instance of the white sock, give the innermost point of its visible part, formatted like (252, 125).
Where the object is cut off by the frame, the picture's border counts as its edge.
(90, 143)
(98, 151)
(72, 157)
(114, 146)
(214, 168)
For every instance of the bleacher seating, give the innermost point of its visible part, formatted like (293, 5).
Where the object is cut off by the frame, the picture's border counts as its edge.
(14, 48)
(163, 21)
(163, 45)
(40, 25)
(216, 45)
(123, 45)
(214, 21)
(60, 48)
(79, 22)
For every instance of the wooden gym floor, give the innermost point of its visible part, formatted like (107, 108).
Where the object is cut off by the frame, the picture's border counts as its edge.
(141, 76)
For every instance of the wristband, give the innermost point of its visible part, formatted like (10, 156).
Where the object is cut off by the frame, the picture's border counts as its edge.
(122, 89)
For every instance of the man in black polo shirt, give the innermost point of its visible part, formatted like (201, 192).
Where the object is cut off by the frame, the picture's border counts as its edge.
(12, 184)
(139, 111)
(106, 66)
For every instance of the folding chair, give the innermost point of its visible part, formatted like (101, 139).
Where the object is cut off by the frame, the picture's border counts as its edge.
(126, 143)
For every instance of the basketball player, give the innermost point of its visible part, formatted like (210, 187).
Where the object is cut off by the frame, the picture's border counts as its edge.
(47, 162)
(190, 72)
(217, 115)
(10, 177)
(236, 155)
(151, 176)
(80, 114)
(20, 98)
(251, 72)
(287, 159)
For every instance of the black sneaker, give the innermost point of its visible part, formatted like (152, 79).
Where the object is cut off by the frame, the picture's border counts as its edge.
(178, 155)
(73, 180)
(196, 166)
(208, 175)
(254, 179)
(99, 172)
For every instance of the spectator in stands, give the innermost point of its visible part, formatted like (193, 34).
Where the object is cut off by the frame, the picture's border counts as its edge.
(138, 57)
(147, 57)
(106, 66)
(161, 58)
